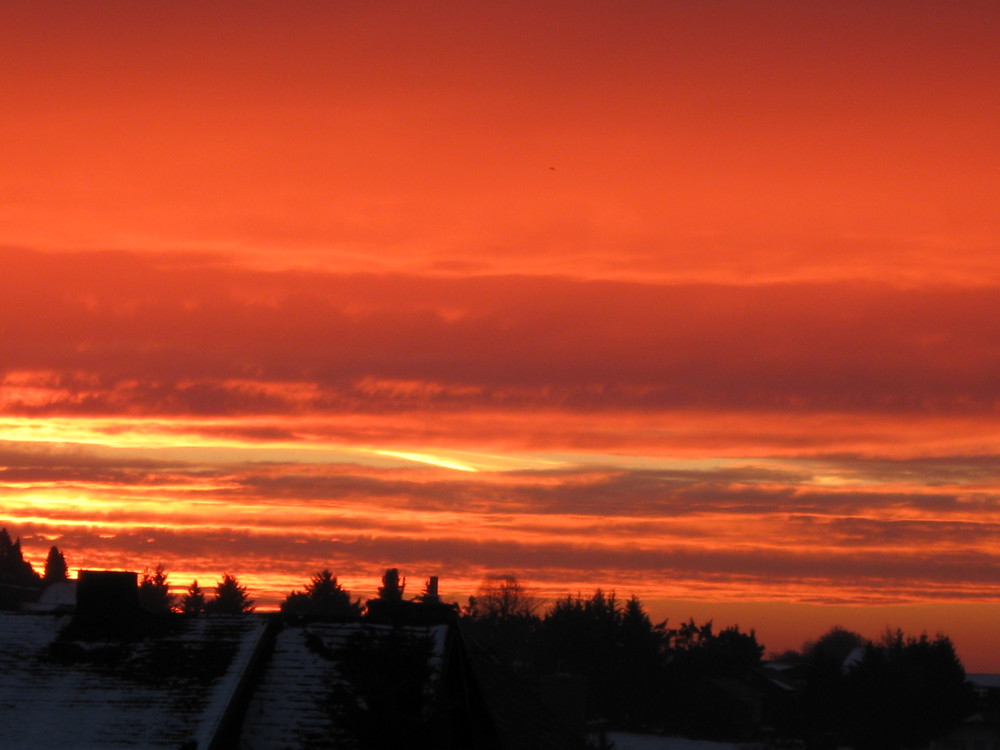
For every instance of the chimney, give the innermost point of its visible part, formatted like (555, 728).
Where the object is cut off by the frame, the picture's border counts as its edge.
(432, 588)
(107, 602)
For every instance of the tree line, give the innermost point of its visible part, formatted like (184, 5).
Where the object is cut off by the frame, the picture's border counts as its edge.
(697, 680)
(230, 596)
(692, 679)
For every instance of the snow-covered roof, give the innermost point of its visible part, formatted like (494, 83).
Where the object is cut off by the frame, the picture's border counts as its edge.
(854, 658)
(984, 680)
(59, 594)
(781, 666)
(630, 741)
(162, 690)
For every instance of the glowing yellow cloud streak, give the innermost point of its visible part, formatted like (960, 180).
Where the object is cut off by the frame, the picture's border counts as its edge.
(179, 436)
(426, 459)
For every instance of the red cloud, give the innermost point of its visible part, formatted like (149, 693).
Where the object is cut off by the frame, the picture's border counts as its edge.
(121, 334)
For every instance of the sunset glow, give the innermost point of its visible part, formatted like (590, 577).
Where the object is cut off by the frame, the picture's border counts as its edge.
(693, 300)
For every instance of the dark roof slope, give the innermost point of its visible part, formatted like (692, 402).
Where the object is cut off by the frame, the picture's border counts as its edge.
(520, 718)
(326, 684)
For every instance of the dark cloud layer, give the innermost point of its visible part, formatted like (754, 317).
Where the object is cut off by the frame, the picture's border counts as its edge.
(873, 576)
(116, 333)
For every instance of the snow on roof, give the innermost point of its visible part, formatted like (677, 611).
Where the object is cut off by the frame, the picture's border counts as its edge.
(159, 691)
(781, 666)
(291, 706)
(854, 658)
(59, 594)
(984, 680)
(630, 741)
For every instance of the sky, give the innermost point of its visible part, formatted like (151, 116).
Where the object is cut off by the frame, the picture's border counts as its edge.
(695, 300)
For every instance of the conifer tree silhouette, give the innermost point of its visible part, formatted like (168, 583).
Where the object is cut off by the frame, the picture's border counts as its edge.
(193, 601)
(55, 567)
(14, 569)
(230, 598)
(154, 592)
(392, 587)
(323, 597)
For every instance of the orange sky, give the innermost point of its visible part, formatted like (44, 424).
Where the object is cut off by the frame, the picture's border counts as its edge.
(692, 299)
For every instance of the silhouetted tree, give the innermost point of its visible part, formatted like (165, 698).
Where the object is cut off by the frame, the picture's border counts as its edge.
(614, 646)
(323, 597)
(833, 647)
(193, 601)
(501, 598)
(154, 592)
(55, 567)
(14, 569)
(639, 665)
(392, 587)
(906, 691)
(690, 636)
(705, 681)
(501, 617)
(230, 598)
(733, 653)
(581, 634)
(825, 692)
